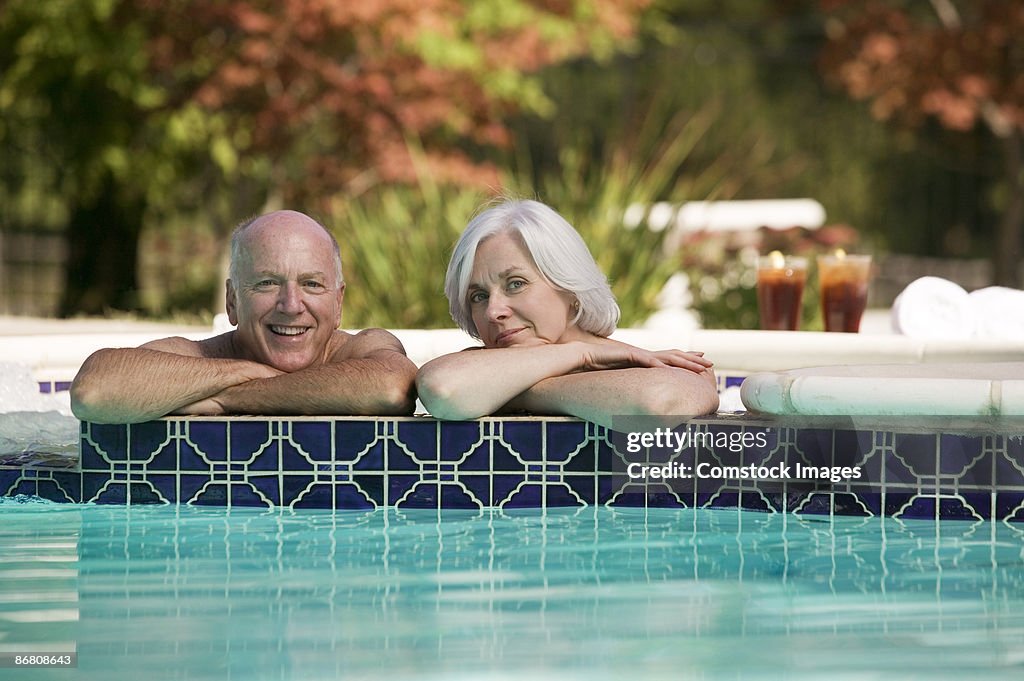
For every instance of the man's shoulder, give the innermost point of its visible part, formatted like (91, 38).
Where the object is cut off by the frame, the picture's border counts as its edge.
(362, 343)
(219, 346)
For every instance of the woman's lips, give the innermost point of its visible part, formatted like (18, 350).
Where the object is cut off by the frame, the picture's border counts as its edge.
(505, 336)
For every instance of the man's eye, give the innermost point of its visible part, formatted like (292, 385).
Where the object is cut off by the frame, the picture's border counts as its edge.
(314, 284)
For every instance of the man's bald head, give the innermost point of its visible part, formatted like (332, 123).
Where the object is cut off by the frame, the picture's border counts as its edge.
(279, 219)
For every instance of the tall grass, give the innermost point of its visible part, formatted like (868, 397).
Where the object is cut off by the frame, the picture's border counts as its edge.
(397, 240)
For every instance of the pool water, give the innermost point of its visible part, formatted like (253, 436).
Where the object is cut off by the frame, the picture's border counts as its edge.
(161, 592)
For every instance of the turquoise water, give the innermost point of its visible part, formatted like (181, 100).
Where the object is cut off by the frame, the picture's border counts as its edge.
(592, 593)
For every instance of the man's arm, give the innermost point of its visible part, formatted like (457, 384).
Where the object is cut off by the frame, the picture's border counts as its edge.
(368, 375)
(131, 385)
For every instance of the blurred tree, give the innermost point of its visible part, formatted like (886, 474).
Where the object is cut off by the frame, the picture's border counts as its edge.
(959, 62)
(136, 100)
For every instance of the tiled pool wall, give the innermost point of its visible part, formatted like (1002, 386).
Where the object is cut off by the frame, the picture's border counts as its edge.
(938, 470)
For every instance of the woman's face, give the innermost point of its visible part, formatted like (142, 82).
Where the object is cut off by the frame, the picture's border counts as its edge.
(511, 302)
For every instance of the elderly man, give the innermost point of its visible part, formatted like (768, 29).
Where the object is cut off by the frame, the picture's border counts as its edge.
(286, 356)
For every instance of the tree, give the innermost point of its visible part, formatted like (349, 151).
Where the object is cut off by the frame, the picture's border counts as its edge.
(958, 62)
(307, 99)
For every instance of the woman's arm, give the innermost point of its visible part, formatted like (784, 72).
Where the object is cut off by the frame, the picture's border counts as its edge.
(598, 396)
(467, 385)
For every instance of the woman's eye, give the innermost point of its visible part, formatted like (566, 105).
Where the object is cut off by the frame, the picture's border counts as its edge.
(516, 284)
(477, 297)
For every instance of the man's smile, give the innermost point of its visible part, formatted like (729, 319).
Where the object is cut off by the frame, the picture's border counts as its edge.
(288, 330)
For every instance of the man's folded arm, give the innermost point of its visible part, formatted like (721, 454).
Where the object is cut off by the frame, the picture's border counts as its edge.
(131, 385)
(370, 375)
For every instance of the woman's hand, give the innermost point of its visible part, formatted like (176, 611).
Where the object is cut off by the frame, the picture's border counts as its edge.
(618, 355)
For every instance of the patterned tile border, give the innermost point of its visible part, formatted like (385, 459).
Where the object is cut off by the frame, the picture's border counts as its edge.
(937, 470)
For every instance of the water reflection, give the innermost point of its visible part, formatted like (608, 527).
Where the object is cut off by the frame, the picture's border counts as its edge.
(39, 571)
(593, 591)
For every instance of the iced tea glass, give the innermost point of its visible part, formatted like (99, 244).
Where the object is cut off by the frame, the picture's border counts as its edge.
(844, 290)
(780, 290)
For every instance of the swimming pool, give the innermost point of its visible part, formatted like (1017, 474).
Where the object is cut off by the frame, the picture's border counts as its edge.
(594, 592)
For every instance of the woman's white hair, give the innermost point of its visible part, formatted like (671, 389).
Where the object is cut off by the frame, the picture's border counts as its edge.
(557, 250)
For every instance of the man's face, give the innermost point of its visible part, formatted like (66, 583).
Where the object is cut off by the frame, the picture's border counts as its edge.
(287, 298)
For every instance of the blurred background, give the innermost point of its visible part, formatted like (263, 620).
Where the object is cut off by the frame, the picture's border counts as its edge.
(134, 135)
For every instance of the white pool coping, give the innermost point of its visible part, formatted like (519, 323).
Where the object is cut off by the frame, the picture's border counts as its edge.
(788, 373)
(946, 389)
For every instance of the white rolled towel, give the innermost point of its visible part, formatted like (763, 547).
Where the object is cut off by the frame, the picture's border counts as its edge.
(933, 308)
(998, 312)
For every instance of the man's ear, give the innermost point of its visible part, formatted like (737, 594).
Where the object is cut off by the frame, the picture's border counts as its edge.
(230, 303)
(341, 301)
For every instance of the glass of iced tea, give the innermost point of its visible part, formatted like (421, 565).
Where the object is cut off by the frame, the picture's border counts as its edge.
(780, 290)
(844, 289)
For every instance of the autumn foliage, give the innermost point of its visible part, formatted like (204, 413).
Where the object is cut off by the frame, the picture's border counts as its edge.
(358, 88)
(959, 62)
(956, 62)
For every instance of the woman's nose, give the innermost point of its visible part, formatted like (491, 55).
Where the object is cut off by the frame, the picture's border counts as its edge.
(497, 307)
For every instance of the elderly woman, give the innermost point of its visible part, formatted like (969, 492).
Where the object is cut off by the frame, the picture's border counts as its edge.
(523, 282)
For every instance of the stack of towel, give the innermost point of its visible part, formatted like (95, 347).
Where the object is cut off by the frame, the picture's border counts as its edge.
(936, 308)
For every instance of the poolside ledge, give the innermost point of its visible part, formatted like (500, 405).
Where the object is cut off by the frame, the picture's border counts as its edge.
(947, 389)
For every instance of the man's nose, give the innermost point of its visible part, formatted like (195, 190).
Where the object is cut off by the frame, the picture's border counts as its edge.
(289, 299)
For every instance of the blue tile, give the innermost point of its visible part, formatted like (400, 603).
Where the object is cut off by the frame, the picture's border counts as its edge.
(351, 438)
(107, 493)
(247, 438)
(524, 438)
(269, 458)
(54, 490)
(1009, 468)
(461, 439)
(476, 467)
(143, 493)
(419, 438)
(478, 459)
(111, 444)
(918, 452)
(958, 453)
(146, 439)
(454, 496)
(314, 439)
(267, 485)
(421, 495)
(526, 496)
(190, 485)
(479, 486)
(371, 486)
(563, 439)
(1010, 506)
(397, 486)
(8, 479)
(210, 440)
(166, 485)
